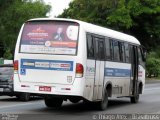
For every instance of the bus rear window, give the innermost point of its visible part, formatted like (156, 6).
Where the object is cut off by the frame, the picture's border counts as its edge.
(50, 37)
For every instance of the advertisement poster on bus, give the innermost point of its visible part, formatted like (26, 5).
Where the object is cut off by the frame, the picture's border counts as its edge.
(50, 38)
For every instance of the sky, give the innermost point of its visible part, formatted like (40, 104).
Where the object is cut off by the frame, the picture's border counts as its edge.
(57, 6)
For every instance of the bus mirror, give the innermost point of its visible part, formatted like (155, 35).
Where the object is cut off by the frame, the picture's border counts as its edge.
(144, 53)
(144, 56)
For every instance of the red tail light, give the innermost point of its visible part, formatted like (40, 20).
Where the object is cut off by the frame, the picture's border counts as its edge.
(79, 70)
(16, 65)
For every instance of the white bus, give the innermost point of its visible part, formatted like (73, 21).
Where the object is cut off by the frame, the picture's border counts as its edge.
(70, 59)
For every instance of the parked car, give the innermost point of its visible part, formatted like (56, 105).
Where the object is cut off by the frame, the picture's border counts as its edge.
(6, 83)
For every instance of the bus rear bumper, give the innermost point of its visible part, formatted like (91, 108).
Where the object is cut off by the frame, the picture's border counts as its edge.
(50, 89)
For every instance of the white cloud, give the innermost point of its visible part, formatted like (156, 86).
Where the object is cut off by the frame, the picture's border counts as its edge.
(57, 6)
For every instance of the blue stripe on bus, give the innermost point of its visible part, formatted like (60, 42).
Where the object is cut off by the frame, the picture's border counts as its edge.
(47, 65)
(116, 72)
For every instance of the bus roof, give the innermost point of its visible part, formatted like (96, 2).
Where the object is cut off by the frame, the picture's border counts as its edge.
(91, 28)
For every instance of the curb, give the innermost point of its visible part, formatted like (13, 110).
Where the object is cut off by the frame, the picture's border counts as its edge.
(152, 81)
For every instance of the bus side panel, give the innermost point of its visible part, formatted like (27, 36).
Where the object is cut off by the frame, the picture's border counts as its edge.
(119, 75)
(89, 79)
(141, 75)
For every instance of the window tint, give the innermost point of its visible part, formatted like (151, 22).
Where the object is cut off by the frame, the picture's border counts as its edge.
(140, 57)
(90, 47)
(108, 49)
(116, 51)
(122, 55)
(127, 52)
(99, 48)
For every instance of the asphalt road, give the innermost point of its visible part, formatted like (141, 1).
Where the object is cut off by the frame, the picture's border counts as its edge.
(35, 109)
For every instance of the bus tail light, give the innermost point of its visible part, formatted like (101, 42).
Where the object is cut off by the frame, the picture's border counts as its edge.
(16, 65)
(79, 70)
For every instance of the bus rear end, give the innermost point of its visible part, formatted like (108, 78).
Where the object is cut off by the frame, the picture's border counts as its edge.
(46, 60)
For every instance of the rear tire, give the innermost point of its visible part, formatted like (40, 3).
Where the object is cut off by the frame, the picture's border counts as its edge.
(135, 99)
(74, 100)
(52, 102)
(102, 105)
(24, 97)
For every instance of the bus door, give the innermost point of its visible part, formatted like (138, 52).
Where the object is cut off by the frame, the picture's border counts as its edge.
(134, 70)
(99, 65)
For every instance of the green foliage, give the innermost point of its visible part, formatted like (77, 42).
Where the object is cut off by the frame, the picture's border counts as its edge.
(153, 67)
(1, 61)
(120, 16)
(8, 55)
(13, 14)
(153, 63)
(140, 18)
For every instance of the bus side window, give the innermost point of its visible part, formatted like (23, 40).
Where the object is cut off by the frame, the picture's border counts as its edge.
(127, 52)
(90, 47)
(116, 51)
(108, 49)
(122, 51)
(101, 50)
(99, 42)
(140, 60)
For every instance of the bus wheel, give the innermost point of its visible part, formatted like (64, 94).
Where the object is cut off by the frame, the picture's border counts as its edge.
(24, 97)
(134, 99)
(102, 105)
(74, 100)
(53, 102)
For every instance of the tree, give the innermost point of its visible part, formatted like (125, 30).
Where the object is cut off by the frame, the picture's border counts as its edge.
(153, 64)
(8, 54)
(13, 14)
(146, 21)
(140, 18)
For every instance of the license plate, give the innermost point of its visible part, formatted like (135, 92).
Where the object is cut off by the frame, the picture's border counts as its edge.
(45, 88)
(1, 89)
